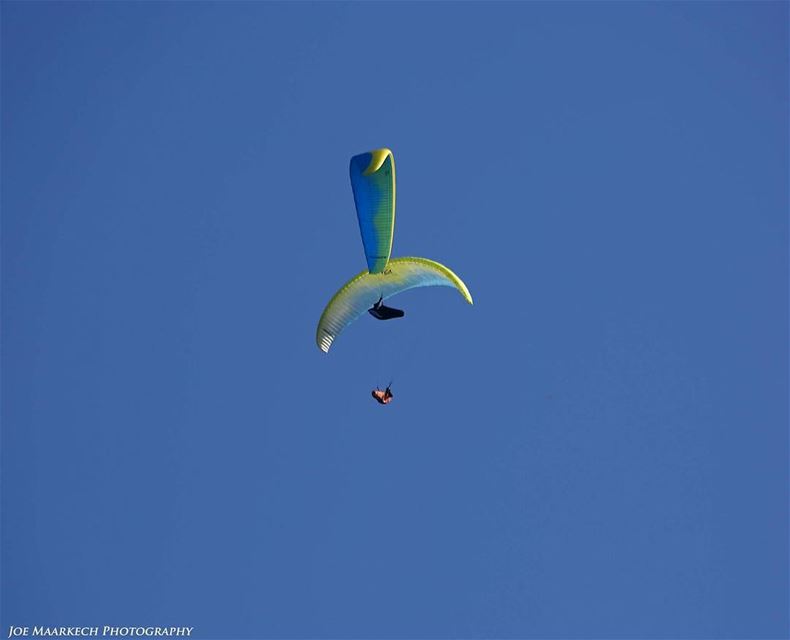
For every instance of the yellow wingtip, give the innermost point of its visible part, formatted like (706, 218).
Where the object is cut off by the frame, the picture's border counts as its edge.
(377, 158)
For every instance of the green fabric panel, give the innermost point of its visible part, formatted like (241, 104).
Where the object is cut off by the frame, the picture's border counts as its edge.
(374, 197)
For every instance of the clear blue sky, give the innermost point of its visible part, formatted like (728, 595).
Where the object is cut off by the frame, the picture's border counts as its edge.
(597, 449)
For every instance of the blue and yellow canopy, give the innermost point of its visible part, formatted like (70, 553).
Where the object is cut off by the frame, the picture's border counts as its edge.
(373, 183)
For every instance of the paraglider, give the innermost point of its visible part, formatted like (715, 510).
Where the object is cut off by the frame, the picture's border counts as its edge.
(383, 397)
(373, 184)
(382, 312)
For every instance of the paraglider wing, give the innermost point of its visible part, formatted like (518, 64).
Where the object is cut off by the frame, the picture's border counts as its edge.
(373, 183)
(361, 292)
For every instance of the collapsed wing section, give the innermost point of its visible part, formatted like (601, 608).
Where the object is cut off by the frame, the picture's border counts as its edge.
(358, 294)
(373, 183)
